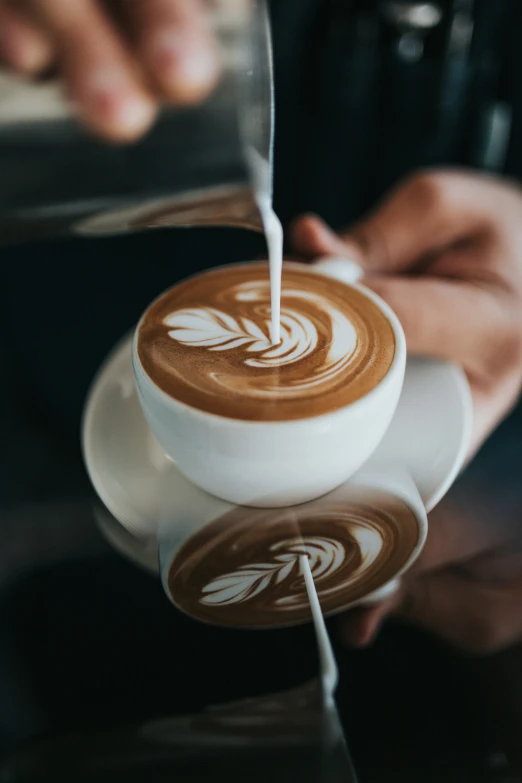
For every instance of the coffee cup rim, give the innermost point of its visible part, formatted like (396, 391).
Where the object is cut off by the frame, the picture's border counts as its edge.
(398, 361)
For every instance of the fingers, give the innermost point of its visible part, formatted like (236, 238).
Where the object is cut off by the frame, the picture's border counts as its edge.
(312, 237)
(473, 326)
(492, 403)
(22, 46)
(359, 627)
(424, 215)
(475, 617)
(452, 320)
(440, 596)
(116, 72)
(173, 41)
(101, 75)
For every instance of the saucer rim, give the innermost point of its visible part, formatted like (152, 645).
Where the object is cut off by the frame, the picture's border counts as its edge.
(139, 538)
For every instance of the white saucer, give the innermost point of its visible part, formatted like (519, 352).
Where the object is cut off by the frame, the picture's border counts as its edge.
(429, 434)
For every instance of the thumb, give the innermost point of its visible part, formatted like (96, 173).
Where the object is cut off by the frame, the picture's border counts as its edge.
(424, 214)
(463, 335)
(311, 237)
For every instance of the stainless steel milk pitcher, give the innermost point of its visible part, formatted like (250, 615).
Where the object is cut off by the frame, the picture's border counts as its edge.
(193, 168)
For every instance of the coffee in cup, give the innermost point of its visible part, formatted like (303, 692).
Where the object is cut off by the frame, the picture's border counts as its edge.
(207, 343)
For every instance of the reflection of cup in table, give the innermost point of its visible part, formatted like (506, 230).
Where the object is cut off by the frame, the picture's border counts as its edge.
(128, 467)
(238, 566)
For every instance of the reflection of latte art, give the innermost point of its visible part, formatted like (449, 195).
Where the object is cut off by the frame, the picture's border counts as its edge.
(207, 342)
(244, 568)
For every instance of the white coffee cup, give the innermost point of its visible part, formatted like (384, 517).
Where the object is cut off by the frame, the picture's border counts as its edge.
(186, 512)
(282, 463)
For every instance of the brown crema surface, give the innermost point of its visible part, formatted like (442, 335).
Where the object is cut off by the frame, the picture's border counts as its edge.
(206, 342)
(243, 569)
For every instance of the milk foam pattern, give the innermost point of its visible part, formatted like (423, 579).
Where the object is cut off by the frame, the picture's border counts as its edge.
(214, 330)
(208, 343)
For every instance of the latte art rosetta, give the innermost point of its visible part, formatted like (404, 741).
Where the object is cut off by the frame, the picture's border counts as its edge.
(208, 342)
(245, 568)
(217, 331)
(213, 330)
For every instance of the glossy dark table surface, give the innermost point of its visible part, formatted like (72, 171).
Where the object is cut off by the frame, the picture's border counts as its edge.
(90, 648)
(90, 644)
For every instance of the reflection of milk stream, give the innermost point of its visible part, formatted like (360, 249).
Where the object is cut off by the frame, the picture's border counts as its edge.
(329, 672)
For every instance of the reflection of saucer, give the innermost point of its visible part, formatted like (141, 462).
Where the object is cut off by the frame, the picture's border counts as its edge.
(429, 434)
